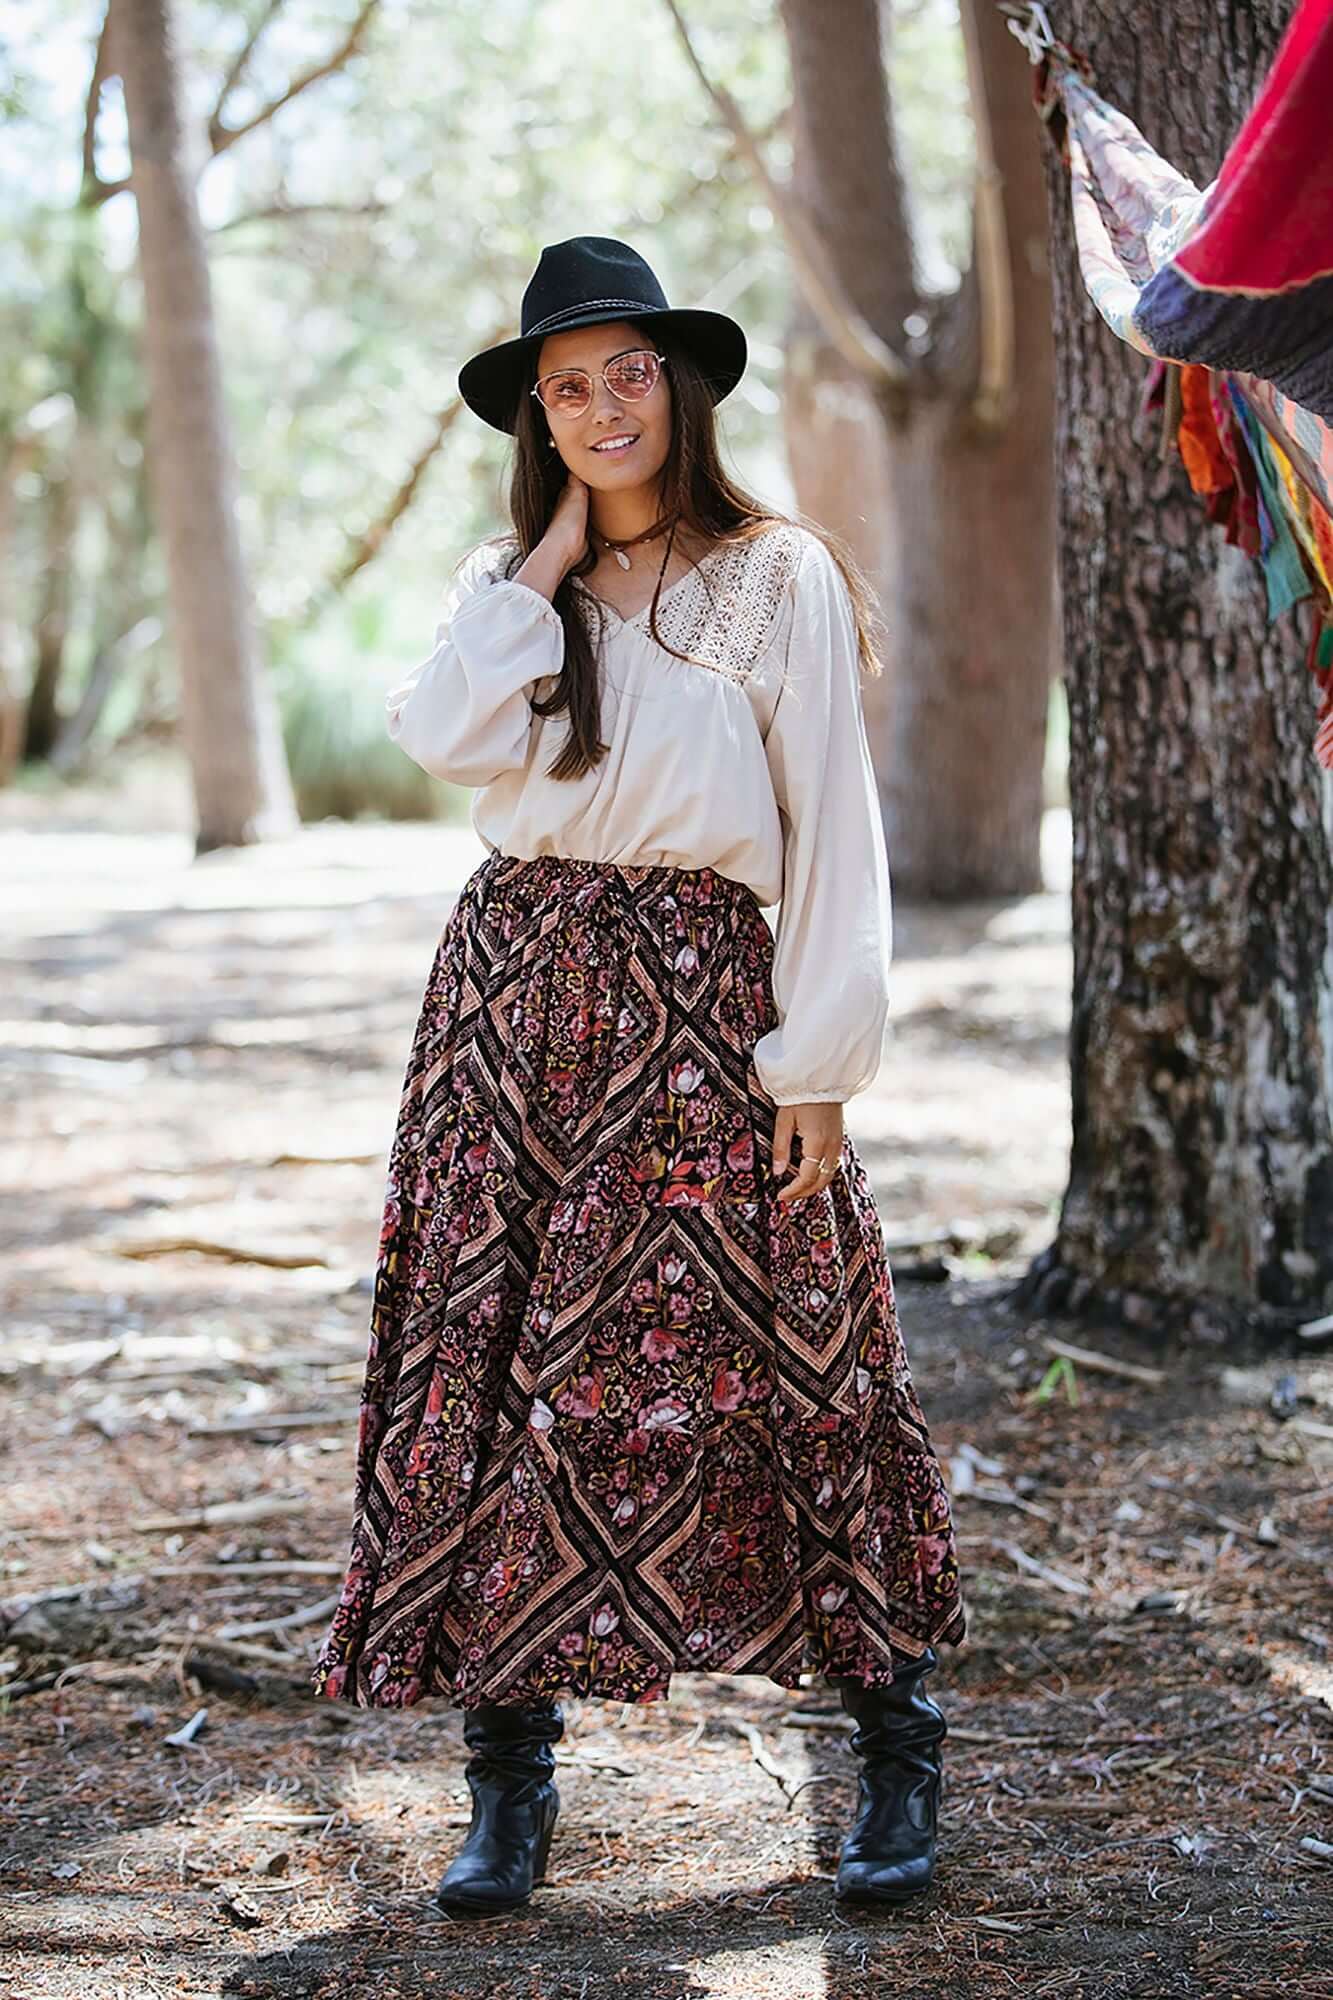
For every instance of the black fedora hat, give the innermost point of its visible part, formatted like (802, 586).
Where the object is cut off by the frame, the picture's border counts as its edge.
(582, 282)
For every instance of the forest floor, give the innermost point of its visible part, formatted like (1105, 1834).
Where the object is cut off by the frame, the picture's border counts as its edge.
(203, 1063)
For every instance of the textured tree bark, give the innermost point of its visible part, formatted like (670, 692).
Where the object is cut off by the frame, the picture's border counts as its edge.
(1202, 1038)
(959, 520)
(229, 717)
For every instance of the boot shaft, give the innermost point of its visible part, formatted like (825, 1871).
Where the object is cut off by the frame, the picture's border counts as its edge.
(512, 1744)
(898, 1720)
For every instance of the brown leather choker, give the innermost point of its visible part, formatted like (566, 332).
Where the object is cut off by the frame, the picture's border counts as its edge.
(618, 548)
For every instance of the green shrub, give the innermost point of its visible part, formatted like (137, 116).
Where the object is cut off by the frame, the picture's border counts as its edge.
(331, 700)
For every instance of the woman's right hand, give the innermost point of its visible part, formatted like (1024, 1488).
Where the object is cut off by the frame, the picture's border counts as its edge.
(567, 530)
(564, 543)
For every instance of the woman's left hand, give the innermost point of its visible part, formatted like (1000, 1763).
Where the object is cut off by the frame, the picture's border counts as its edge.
(821, 1133)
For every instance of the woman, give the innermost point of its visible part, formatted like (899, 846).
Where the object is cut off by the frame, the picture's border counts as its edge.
(636, 1400)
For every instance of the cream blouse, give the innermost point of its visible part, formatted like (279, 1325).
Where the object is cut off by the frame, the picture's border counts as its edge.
(750, 758)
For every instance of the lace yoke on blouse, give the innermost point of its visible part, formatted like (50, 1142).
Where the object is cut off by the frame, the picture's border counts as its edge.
(724, 611)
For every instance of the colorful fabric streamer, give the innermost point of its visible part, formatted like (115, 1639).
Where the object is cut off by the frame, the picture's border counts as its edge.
(1237, 275)
(1251, 290)
(1307, 442)
(1233, 282)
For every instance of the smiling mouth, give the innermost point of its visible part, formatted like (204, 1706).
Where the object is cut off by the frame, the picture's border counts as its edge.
(616, 450)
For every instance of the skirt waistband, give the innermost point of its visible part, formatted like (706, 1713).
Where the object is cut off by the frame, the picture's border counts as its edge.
(502, 866)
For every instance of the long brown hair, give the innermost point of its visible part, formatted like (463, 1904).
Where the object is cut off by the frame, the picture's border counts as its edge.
(697, 493)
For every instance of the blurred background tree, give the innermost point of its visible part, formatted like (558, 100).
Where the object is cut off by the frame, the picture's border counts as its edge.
(919, 420)
(229, 722)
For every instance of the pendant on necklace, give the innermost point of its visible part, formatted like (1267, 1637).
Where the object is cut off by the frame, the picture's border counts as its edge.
(621, 558)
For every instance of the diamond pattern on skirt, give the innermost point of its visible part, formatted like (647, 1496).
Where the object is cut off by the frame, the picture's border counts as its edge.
(624, 1412)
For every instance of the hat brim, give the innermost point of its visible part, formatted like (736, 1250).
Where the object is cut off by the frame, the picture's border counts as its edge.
(491, 382)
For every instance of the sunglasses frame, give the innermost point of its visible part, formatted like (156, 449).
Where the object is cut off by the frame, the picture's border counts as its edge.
(599, 375)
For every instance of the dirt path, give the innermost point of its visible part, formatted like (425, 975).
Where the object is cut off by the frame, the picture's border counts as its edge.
(1140, 1765)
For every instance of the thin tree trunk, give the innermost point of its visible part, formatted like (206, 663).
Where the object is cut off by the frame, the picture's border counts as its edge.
(1202, 1042)
(16, 453)
(964, 484)
(60, 511)
(119, 609)
(229, 716)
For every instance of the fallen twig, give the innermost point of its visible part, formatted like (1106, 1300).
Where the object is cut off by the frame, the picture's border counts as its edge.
(1100, 1805)
(230, 1253)
(59, 1620)
(38, 1684)
(1062, 1740)
(309, 1614)
(63, 1593)
(1004, 1496)
(259, 1816)
(819, 1778)
(786, 1784)
(79, 1371)
(585, 1761)
(1272, 1540)
(223, 1514)
(274, 1567)
(243, 1649)
(290, 1420)
(960, 1733)
(1105, 1364)
(1074, 1586)
(324, 1160)
(268, 1362)
(180, 1738)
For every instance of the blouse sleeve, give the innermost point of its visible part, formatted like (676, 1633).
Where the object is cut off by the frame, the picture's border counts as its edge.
(835, 932)
(463, 713)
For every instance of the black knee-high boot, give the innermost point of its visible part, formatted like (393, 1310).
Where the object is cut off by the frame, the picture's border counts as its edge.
(889, 1854)
(514, 1807)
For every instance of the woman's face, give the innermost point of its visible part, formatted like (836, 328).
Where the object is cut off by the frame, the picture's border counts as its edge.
(648, 421)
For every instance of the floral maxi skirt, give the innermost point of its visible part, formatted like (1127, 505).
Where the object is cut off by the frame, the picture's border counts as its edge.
(624, 1412)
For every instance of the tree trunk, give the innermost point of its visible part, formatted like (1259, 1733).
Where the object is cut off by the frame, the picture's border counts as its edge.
(60, 516)
(958, 725)
(118, 607)
(229, 716)
(838, 456)
(1202, 1040)
(837, 442)
(17, 450)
